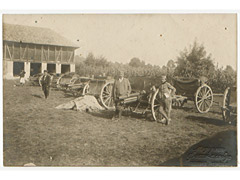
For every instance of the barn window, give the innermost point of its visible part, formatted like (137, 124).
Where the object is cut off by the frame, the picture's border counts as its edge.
(35, 68)
(65, 68)
(51, 68)
(17, 68)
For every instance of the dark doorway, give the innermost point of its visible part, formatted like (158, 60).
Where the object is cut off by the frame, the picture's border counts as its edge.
(65, 68)
(51, 68)
(35, 68)
(17, 68)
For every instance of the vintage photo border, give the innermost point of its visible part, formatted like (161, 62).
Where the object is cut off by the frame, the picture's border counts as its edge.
(121, 12)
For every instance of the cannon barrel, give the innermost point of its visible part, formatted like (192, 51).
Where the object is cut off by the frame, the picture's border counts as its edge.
(130, 95)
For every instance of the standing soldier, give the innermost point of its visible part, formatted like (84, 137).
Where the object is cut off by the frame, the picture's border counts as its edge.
(166, 90)
(45, 83)
(121, 87)
(22, 77)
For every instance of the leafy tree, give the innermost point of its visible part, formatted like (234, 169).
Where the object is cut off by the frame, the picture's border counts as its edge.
(194, 62)
(90, 60)
(136, 62)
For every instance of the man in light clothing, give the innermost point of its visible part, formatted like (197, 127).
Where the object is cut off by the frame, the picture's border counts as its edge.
(22, 77)
(121, 87)
(166, 90)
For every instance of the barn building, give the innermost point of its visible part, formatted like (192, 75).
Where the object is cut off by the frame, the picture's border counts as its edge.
(34, 50)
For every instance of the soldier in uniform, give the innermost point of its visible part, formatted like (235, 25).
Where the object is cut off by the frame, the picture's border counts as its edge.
(166, 90)
(46, 83)
(121, 87)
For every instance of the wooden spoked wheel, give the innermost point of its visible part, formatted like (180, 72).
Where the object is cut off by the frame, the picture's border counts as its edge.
(226, 102)
(58, 82)
(203, 98)
(155, 105)
(85, 89)
(39, 80)
(106, 97)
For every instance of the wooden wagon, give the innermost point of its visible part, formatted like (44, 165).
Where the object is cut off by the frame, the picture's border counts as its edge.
(186, 90)
(195, 90)
(100, 87)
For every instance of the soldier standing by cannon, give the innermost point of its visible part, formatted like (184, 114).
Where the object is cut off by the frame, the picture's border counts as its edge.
(166, 90)
(121, 87)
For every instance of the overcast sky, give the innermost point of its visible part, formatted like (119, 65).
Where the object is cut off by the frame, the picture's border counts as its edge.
(154, 38)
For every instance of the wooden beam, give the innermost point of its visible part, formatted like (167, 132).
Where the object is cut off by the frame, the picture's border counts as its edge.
(58, 55)
(5, 50)
(70, 57)
(35, 52)
(45, 54)
(48, 53)
(73, 56)
(24, 52)
(9, 52)
(12, 51)
(20, 51)
(55, 58)
(42, 53)
(27, 51)
(61, 54)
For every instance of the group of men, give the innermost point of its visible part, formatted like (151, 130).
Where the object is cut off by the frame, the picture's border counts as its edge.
(122, 88)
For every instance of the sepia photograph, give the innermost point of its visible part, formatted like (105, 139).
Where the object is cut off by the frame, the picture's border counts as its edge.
(119, 90)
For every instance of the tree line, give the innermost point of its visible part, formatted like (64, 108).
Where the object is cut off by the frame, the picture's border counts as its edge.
(192, 62)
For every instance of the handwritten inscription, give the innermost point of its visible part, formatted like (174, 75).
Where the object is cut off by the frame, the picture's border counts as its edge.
(209, 155)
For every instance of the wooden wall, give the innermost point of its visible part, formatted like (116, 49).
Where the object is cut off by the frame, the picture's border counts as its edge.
(15, 51)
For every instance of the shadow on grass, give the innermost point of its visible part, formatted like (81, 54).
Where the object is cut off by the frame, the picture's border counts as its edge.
(126, 114)
(187, 109)
(207, 120)
(103, 114)
(218, 150)
(37, 96)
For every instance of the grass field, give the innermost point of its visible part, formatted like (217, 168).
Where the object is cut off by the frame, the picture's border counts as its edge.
(36, 132)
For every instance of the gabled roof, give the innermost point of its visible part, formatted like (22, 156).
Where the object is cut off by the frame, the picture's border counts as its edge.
(35, 35)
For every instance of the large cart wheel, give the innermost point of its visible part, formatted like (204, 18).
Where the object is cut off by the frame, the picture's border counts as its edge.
(40, 80)
(203, 98)
(106, 97)
(155, 105)
(226, 102)
(85, 89)
(58, 82)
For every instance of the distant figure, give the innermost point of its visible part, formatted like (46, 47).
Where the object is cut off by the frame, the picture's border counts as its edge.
(22, 77)
(45, 83)
(166, 90)
(121, 87)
